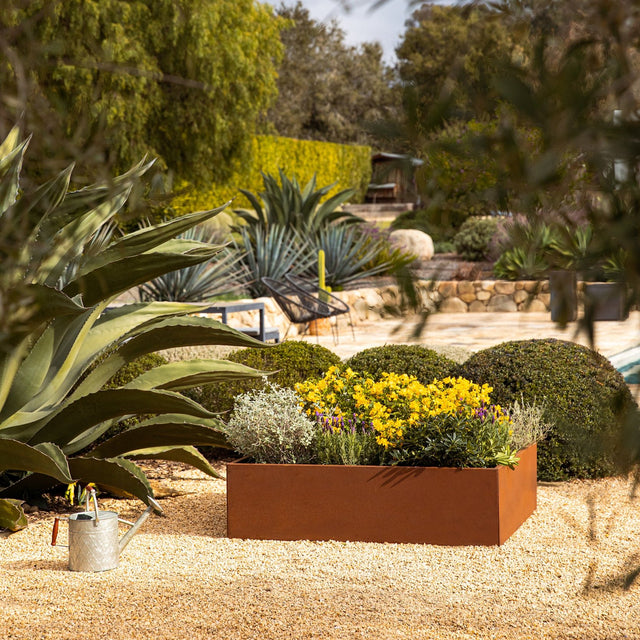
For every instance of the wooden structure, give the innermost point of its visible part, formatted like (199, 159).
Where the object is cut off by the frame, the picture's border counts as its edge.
(392, 178)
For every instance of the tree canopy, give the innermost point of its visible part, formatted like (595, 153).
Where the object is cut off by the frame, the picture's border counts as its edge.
(327, 89)
(181, 80)
(454, 51)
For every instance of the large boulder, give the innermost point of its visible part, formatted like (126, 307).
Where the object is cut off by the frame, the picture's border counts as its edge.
(413, 241)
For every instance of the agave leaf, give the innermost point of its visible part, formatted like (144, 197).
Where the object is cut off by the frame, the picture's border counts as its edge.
(187, 455)
(192, 373)
(70, 241)
(45, 458)
(76, 203)
(10, 166)
(10, 360)
(31, 484)
(165, 333)
(160, 434)
(148, 238)
(39, 206)
(326, 212)
(116, 475)
(89, 411)
(53, 353)
(118, 277)
(49, 303)
(10, 142)
(11, 515)
(50, 370)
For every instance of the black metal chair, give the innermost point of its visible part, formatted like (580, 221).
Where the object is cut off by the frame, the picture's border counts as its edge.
(338, 306)
(300, 306)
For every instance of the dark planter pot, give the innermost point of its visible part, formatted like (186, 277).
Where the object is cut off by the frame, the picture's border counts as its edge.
(380, 504)
(605, 301)
(563, 290)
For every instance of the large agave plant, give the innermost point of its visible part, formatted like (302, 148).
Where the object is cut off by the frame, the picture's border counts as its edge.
(287, 204)
(61, 341)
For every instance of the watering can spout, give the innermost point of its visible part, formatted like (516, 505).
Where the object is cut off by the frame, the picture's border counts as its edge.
(126, 538)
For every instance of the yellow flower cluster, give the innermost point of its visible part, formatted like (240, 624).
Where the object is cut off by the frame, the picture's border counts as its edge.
(395, 402)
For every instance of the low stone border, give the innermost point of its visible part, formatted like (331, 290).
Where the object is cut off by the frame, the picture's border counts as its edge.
(451, 296)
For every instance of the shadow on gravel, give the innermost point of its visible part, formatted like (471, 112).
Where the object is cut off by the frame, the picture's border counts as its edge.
(39, 565)
(194, 514)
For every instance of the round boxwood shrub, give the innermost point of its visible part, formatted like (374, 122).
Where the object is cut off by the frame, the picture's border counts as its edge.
(474, 238)
(586, 401)
(292, 360)
(415, 360)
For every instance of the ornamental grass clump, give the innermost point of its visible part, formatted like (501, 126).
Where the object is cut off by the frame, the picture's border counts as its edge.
(269, 426)
(450, 422)
(340, 441)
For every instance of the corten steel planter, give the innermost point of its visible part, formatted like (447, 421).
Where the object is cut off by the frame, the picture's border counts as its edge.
(429, 505)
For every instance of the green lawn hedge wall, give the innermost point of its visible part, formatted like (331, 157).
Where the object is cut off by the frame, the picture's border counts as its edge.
(348, 165)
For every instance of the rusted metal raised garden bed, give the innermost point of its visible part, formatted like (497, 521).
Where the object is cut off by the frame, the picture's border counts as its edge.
(429, 505)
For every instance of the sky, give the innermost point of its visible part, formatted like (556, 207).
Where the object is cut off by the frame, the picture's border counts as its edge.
(384, 25)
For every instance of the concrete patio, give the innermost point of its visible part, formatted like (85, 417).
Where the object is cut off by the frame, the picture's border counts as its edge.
(475, 331)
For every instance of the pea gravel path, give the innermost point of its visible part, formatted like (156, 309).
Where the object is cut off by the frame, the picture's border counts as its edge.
(559, 576)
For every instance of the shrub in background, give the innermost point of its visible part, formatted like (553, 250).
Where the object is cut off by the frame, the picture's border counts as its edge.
(292, 361)
(415, 360)
(586, 401)
(473, 240)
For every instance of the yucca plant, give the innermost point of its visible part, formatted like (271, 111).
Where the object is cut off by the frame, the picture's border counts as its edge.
(287, 204)
(203, 281)
(61, 341)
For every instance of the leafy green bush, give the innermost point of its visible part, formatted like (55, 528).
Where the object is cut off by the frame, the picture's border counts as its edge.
(414, 360)
(444, 246)
(586, 401)
(475, 235)
(292, 360)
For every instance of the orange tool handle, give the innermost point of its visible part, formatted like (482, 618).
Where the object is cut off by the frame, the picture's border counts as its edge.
(54, 533)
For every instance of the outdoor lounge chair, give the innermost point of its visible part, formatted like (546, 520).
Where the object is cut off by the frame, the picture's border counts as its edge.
(300, 306)
(340, 306)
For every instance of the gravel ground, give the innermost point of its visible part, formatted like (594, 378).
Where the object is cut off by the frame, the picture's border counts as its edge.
(559, 576)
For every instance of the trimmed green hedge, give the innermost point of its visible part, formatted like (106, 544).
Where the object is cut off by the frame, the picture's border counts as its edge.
(348, 165)
(414, 360)
(586, 402)
(292, 361)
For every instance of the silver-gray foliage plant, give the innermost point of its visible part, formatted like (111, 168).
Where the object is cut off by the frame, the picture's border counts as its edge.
(527, 425)
(268, 425)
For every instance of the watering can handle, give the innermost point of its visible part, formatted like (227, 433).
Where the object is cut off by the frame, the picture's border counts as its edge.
(54, 533)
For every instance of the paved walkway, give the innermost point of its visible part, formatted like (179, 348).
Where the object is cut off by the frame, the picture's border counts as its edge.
(474, 331)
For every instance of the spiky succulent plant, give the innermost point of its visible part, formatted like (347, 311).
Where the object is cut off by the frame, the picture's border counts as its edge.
(62, 339)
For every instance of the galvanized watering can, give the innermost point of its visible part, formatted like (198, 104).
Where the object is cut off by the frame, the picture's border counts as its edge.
(93, 536)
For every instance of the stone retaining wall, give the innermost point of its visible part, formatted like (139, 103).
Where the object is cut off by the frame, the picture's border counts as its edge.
(454, 297)
(451, 296)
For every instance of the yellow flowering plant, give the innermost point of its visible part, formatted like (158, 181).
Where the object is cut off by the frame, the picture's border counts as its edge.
(450, 422)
